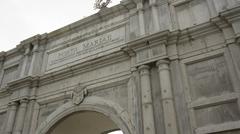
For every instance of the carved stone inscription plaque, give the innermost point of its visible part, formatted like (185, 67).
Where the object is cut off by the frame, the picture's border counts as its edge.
(209, 78)
(86, 50)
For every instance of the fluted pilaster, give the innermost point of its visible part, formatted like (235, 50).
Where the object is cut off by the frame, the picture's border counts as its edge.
(20, 116)
(12, 109)
(147, 104)
(25, 60)
(141, 19)
(167, 97)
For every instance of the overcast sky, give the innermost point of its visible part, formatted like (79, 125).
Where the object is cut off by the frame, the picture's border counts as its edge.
(21, 19)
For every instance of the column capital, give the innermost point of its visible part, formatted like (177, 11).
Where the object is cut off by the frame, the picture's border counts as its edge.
(35, 47)
(13, 103)
(140, 6)
(24, 101)
(144, 69)
(27, 51)
(152, 3)
(134, 69)
(160, 62)
(162, 65)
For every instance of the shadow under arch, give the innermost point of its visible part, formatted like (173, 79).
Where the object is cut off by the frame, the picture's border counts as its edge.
(95, 104)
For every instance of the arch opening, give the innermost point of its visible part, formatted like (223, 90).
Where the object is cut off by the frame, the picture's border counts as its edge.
(85, 122)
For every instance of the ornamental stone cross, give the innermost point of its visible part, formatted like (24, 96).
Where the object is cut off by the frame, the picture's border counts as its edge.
(100, 4)
(78, 94)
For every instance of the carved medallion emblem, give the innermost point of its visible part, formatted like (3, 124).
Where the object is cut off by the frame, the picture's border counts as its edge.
(78, 94)
(100, 4)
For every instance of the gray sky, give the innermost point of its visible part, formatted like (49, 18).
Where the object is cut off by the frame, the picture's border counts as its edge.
(21, 19)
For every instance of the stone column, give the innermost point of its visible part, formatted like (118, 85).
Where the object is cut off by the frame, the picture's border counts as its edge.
(20, 117)
(141, 19)
(25, 60)
(30, 113)
(155, 15)
(34, 120)
(11, 117)
(147, 104)
(33, 61)
(167, 98)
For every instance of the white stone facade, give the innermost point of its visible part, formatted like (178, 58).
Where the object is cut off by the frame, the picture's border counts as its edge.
(149, 66)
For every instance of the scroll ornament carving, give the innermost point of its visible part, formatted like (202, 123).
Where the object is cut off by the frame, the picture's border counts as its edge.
(78, 94)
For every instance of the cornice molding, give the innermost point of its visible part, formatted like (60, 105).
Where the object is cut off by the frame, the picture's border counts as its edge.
(232, 14)
(197, 31)
(159, 37)
(174, 37)
(4, 92)
(26, 82)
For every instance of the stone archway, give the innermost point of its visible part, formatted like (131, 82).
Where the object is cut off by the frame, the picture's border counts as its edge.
(105, 110)
(84, 122)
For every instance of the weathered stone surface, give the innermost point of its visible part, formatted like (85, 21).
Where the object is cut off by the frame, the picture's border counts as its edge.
(86, 50)
(147, 67)
(209, 78)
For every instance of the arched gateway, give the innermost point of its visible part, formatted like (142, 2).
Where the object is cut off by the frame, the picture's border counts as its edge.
(94, 116)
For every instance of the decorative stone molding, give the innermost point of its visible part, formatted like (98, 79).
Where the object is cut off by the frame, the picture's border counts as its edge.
(11, 117)
(23, 83)
(23, 102)
(129, 51)
(13, 104)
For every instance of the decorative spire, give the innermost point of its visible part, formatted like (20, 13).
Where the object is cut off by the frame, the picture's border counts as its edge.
(100, 4)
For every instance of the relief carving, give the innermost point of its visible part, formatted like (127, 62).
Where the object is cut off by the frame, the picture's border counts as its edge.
(78, 94)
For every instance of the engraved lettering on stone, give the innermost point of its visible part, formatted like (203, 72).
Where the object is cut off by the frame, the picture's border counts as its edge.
(86, 48)
(78, 94)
